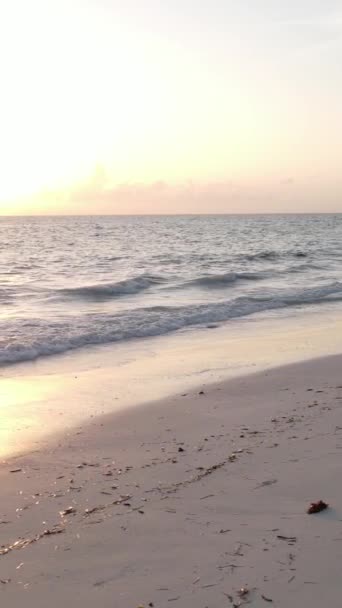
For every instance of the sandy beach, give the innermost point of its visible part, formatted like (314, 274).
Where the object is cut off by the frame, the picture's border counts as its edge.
(171, 304)
(198, 500)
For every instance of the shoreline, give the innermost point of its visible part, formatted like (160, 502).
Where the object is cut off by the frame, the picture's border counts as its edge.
(185, 500)
(55, 395)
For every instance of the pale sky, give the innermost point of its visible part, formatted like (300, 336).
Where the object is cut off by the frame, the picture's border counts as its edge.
(170, 106)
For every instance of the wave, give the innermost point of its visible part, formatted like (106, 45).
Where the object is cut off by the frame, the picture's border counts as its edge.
(274, 255)
(221, 280)
(103, 291)
(70, 333)
(306, 266)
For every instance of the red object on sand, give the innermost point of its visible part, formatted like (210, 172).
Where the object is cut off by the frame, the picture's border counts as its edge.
(317, 507)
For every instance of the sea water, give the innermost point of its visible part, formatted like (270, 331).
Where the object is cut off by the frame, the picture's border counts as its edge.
(68, 283)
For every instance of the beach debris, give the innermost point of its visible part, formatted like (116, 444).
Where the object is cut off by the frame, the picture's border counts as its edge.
(15, 470)
(67, 511)
(5, 581)
(231, 566)
(94, 510)
(201, 393)
(209, 585)
(317, 507)
(268, 482)
(204, 472)
(180, 449)
(122, 500)
(232, 457)
(18, 544)
(289, 539)
(243, 592)
(21, 543)
(229, 597)
(55, 530)
(267, 599)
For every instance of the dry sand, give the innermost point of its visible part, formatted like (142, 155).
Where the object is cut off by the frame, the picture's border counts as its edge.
(185, 502)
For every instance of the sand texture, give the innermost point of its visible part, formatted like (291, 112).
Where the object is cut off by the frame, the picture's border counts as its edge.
(198, 501)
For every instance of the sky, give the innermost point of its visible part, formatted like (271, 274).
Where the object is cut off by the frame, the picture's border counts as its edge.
(170, 106)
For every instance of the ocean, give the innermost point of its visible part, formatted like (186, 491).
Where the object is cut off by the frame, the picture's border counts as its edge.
(68, 283)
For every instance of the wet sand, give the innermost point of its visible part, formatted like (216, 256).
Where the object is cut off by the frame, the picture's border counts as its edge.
(54, 394)
(194, 501)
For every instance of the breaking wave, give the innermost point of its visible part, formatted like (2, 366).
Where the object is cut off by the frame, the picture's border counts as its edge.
(222, 280)
(112, 290)
(71, 333)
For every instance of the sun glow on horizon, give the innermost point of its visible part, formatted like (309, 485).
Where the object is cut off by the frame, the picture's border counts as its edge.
(172, 94)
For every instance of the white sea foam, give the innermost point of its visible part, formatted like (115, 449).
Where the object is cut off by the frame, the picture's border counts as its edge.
(70, 334)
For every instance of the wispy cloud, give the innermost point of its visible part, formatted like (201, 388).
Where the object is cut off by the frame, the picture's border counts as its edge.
(97, 195)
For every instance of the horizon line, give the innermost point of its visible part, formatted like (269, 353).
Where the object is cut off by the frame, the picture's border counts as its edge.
(219, 214)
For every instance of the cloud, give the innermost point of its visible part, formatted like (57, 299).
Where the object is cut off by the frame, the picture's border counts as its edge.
(282, 194)
(155, 197)
(98, 195)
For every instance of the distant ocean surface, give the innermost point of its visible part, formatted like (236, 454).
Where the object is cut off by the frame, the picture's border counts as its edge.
(73, 282)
